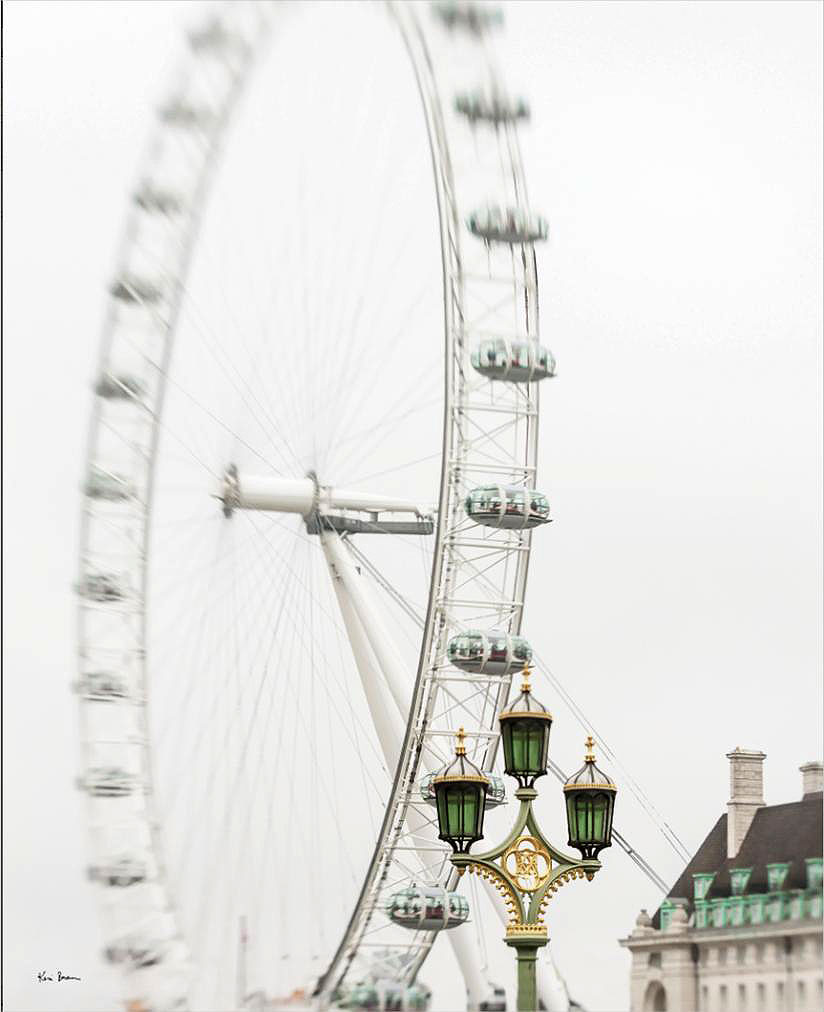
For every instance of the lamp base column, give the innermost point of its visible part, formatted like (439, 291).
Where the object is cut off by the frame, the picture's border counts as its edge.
(526, 952)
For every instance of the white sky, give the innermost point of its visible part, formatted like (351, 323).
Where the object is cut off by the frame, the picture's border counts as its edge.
(676, 151)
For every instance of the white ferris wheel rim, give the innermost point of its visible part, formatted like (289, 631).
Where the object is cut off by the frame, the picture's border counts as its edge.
(452, 560)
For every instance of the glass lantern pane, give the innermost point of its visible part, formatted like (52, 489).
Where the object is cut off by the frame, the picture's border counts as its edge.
(583, 818)
(454, 811)
(470, 812)
(599, 810)
(518, 746)
(572, 824)
(535, 748)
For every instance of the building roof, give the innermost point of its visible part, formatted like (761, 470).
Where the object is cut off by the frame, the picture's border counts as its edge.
(779, 833)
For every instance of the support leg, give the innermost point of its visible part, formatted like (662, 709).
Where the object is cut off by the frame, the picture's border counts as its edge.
(372, 650)
(526, 952)
(527, 979)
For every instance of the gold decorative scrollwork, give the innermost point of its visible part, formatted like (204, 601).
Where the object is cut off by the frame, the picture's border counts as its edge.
(528, 864)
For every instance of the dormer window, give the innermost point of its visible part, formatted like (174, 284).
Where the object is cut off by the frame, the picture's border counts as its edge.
(815, 873)
(739, 877)
(701, 884)
(776, 875)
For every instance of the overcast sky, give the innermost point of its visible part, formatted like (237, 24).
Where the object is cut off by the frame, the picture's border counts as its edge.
(676, 151)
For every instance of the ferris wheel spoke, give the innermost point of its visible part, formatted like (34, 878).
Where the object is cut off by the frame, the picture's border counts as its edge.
(221, 649)
(355, 396)
(207, 411)
(362, 479)
(331, 620)
(265, 422)
(392, 415)
(220, 697)
(224, 824)
(173, 637)
(201, 611)
(381, 434)
(356, 355)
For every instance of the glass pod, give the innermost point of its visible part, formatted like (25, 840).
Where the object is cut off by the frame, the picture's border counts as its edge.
(507, 508)
(488, 653)
(498, 358)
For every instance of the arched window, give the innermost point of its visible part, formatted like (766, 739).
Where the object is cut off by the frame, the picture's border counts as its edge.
(655, 999)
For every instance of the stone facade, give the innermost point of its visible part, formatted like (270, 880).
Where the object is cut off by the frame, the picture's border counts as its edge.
(740, 970)
(741, 930)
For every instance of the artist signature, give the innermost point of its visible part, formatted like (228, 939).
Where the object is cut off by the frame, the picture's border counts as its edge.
(42, 976)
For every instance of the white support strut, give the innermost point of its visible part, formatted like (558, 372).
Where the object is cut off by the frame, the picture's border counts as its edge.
(363, 624)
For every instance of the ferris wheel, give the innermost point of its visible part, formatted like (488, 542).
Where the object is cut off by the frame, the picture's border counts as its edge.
(308, 503)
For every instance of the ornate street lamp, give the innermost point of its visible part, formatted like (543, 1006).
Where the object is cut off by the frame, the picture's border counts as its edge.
(460, 796)
(525, 728)
(526, 868)
(590, 801)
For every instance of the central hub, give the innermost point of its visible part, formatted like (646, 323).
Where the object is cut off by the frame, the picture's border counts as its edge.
(323, 507)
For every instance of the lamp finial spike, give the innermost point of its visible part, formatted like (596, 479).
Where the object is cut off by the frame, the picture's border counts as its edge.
(590, 756)
(460, 748)
(525, 685)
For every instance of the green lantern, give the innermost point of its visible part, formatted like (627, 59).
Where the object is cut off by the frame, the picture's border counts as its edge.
(525, 728)
(590, 802)
(460, 796)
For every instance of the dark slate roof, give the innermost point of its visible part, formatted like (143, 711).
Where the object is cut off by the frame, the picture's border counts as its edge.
(790, 832)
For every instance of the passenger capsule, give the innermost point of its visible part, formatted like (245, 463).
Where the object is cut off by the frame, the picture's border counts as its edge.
(120, 386)
(495, 795)
(427, 908)
(488, 653)
(102, 687)
(137, 951)
(103, 587)
(361, 996)
(108, 486)
(495, 1001)
(507, 225)
(155, 198)
(179, 112)
(109, 782)
(472, 17)
(216, 37)
(509, 508)
(120, 871)
(418, 997)
(130, 288)
(514, 361)
(494, 108)
(392, 991)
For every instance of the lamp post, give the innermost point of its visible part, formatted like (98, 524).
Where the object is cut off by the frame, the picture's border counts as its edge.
(526, 869)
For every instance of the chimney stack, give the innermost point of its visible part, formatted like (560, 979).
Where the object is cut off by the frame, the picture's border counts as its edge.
(812, 777)
(746, 794)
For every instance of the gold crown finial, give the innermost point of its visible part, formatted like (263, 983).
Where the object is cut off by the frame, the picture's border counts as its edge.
(525, 686)
(590, 756)
(460, 748)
